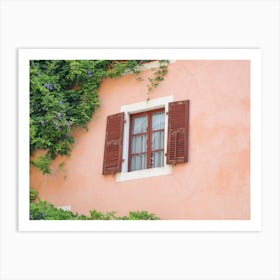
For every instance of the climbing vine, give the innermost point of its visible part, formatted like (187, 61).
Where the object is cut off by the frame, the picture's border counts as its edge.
(157, 76)
(64, 95)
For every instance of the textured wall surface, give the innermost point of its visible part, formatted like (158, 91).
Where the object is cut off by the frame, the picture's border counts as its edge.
(214, 184)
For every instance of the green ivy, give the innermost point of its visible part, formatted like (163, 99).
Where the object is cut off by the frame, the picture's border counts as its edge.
(96, 215)
(64, 95)
(157, 76)
(142, 215)
(33, 195)
(43, 163)
(44, 210)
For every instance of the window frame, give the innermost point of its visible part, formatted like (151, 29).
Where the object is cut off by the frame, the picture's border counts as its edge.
(139, 107)
(149, 150)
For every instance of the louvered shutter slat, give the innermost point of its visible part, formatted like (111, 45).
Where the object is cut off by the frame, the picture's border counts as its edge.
(178, 126)
(113, 144)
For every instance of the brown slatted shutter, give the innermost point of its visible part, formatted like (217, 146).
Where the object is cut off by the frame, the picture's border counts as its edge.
(178, 132)
(112, 162)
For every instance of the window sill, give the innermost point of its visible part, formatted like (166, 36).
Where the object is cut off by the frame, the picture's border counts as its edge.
(145, 173)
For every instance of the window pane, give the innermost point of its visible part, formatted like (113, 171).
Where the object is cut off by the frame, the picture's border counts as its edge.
(139, 124)
(158, 120)
(157, 159)
(158, 140)
(138, 162)
(139, 144)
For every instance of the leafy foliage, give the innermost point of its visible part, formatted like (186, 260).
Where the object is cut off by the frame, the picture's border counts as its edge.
(44, 210)
(64, 95)
(43, 163)
(142, 215)
(157, 76)
(33, 195)
(95, 215)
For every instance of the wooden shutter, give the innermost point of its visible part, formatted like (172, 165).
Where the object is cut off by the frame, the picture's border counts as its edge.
(112, 162)
(178, 132)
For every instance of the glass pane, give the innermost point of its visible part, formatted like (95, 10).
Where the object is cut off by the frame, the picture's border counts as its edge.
(138, 162)
(139, 124)
(157, 159)
(139, 144)
(158, 140)
(158, 120)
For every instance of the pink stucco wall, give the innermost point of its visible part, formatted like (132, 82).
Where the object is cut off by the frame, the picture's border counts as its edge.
(214, 184)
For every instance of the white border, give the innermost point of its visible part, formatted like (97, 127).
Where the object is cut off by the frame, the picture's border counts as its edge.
(254, 224)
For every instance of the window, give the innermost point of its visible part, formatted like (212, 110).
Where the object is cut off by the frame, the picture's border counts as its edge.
(146, 140)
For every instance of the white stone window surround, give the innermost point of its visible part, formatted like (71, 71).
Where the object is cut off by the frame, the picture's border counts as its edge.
(152, 104)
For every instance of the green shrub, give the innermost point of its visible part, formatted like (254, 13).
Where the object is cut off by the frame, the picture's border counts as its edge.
(142, 215)
(44, 210)
(95, 215)
(139, 215)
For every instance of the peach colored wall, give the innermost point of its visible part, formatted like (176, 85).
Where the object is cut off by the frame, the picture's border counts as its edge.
(214, 184)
